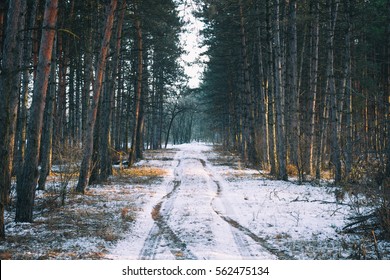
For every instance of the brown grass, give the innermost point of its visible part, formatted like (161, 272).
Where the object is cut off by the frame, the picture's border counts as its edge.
(128, 214)
(292, 170)
(5, 256)
(156, 212)
(282, 236)
(141, 172)
(179, 254)
(108, 235)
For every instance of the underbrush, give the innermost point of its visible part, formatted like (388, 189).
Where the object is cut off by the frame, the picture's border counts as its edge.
(68, 225)
(370, 187)
(84, 228)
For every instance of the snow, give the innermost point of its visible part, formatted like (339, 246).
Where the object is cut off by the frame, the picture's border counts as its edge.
(271, 219)
(206, 205)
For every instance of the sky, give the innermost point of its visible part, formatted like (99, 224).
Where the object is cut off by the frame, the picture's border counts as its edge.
(191, 40)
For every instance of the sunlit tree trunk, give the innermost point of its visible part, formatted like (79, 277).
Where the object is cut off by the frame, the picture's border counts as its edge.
(47, 130)
(138, 95)
(313, 84)
(108, 101)
(27, 183)
(85, 168)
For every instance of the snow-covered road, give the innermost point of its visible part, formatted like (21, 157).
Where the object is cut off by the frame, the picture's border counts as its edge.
(208, 210)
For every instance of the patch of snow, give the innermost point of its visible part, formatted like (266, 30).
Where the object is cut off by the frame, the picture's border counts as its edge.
(202, 209)
(303, 221)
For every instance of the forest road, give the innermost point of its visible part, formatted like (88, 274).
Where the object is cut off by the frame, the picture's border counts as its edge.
(194, 220)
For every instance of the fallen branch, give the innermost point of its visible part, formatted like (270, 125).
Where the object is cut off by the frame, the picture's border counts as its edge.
(320, 201)
(361, 222)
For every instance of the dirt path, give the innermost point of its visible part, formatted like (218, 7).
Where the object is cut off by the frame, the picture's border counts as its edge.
(192, 220)
(209, 207)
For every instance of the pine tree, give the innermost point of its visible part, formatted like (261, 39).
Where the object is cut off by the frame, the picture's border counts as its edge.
(29, 176)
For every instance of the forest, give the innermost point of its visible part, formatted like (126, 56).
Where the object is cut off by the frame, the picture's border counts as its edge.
(299, 89)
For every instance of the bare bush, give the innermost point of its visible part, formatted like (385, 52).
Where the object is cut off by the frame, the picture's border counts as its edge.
(65, 169)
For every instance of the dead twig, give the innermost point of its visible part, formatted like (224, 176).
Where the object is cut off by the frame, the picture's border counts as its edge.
(376, 245)
(320, 201)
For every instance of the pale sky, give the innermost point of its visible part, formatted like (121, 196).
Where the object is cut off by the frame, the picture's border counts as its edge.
(191, 44)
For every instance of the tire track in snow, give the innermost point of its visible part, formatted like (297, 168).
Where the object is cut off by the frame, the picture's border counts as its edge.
(242, 244)
(240, 241)
(161, 229)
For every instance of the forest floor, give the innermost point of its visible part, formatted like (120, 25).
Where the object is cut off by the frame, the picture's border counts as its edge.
(192, 202)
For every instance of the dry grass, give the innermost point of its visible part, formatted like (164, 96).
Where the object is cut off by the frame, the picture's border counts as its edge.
(156, 212)
(179, 254)
(140, 172)
(128, 214)
(100, 217)
(5, 255)
(144, 175)
(281, 236)
(292, 170)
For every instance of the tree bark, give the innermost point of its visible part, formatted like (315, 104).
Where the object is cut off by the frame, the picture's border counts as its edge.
(88, 77)
(279, 97)
(292, 87)
(313, 83)
(27, 183)
(270, 91)
(347, 86)
(109, 93)
(3, 13)
(388, 91)
(22, 111)
(138, 95)
(251, 151)
(9, 93)
(85, 168)
(263, 108)
(47, 130)
(331, 89)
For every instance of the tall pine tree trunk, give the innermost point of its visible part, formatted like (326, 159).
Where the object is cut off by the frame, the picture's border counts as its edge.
(331, 90)
(348, 90)
(22, 111)
(292, 87)
(263, 111)
(279, 97)
(47, 130)
(9, 93)
(313, 83)
(3, 13)
(251, 152)
(85, 168)
(138, 94)
(88, 72)
(388, 91)
(27, 183)
(109, 93)
(270, 91)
